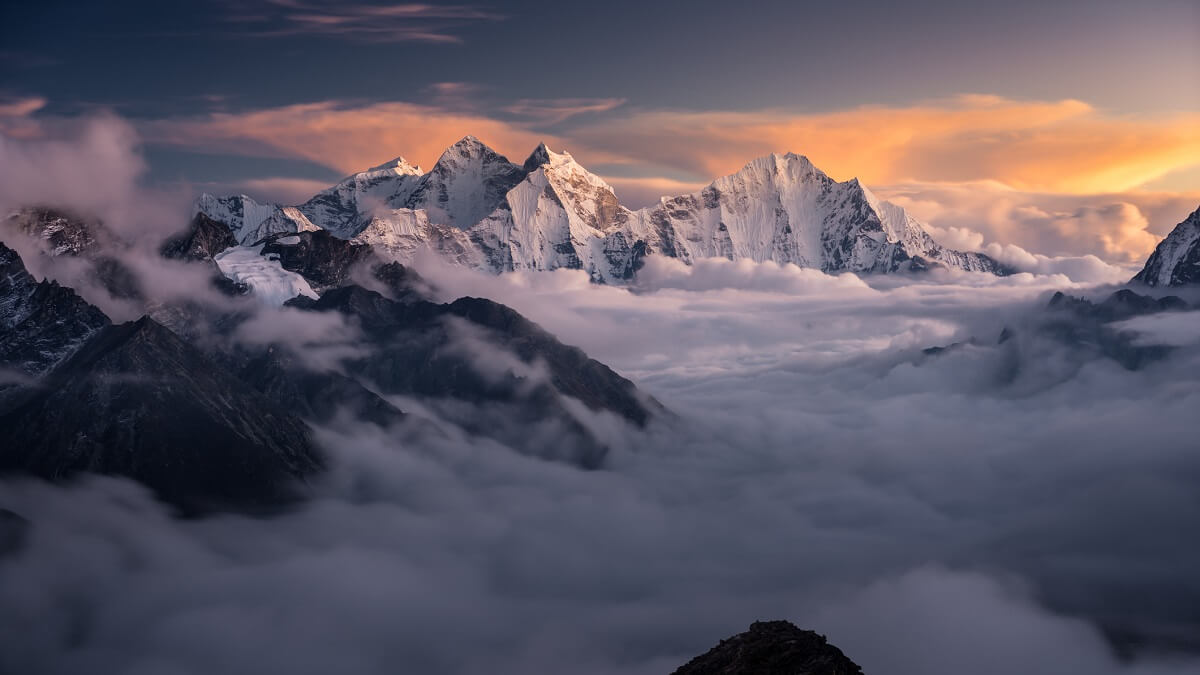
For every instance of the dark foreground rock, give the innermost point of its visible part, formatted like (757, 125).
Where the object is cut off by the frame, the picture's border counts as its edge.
(772, 648)
(41, 323)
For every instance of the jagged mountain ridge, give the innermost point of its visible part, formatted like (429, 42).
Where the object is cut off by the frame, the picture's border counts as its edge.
(1176, 259)
(41, 323)
(477, 209)
(138, 401)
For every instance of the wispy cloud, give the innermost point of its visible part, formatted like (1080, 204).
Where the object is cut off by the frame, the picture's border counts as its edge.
(370, 22)
(21, 107)
(343, 136)
(1062, 146)
(555, 110)
(1059, 146)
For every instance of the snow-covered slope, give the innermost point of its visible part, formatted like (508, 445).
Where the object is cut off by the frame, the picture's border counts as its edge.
(267, 279)
(251, 221)
(344, 208)
(468, 182)
(783, 209)
(560, 215)
(478, 209)
(1176, 259)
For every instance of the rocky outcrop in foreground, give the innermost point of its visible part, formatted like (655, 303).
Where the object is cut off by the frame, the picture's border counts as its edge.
(772, 648)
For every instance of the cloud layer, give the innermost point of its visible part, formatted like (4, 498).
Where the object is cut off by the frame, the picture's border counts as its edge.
(923, 512)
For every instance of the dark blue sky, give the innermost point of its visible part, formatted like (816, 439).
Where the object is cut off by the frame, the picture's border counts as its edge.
(153, 58)
(154, 61)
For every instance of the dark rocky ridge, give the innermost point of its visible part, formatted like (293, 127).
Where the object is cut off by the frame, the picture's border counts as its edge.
(138, 401)
(62, 233)
(1083, 327)
(772, 648)
(58, 233)
(202, 240)
(416, 350)
(41, 323)
(324, 260)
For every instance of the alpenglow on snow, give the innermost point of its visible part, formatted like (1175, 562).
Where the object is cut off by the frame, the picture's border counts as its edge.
(476, 208)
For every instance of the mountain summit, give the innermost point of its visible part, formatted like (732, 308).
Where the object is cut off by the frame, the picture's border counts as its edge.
(476, 208)
(1176, 259)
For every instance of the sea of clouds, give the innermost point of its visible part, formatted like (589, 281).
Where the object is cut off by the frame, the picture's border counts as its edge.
(926, 514)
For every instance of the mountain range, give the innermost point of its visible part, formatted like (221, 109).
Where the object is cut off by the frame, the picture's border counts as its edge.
(478, 209)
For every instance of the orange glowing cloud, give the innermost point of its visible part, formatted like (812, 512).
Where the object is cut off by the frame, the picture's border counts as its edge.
(1060, 146)
(345, 138)
(1049, 146)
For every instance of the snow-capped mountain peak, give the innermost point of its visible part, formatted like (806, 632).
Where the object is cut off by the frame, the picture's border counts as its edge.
(477, 208)
(250, 221)
(467, 183)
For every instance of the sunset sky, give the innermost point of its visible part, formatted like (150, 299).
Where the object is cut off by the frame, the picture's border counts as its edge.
(1067, 128)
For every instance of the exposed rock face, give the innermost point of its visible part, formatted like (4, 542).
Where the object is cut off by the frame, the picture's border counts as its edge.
(403, 283)
(1176, 259)
(772, 648)
(137, 401)
(203, 240)
(41, 323)
(477, 209)
(318, 256)
(61, 233)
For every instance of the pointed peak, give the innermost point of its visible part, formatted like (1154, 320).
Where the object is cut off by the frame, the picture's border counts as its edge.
(470, 143)
(399, 165)
(469, 148)
(541, 156)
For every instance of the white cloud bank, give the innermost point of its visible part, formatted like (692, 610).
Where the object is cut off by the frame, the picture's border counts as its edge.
(929, 516)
